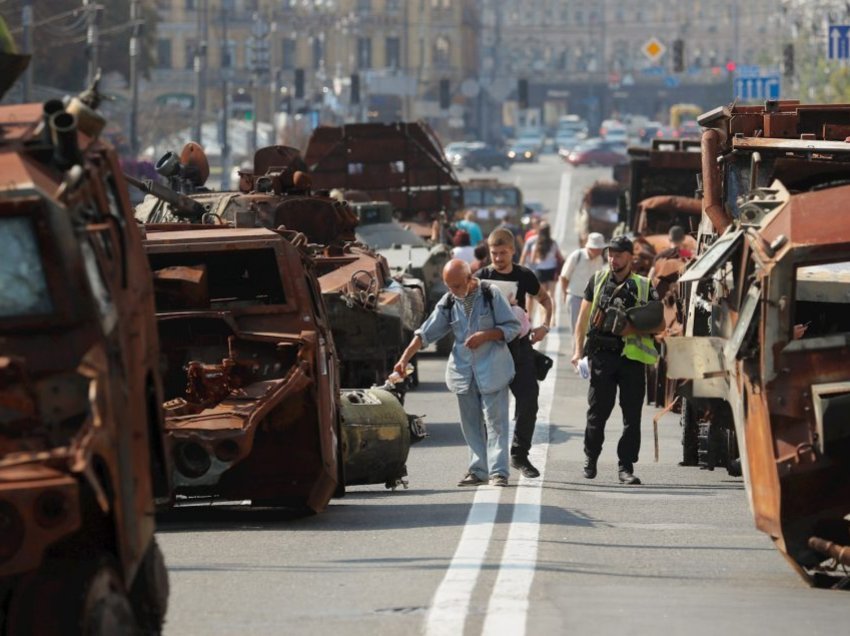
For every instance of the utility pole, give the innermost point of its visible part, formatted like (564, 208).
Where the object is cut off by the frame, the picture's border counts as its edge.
(26, 23)
(201, 70)
(136, 20)
(226, 62)
(92, 38)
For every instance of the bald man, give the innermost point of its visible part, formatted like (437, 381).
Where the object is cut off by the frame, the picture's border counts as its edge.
(480, 367)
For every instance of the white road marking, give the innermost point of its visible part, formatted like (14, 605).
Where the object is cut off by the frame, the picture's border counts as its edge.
(450, 606)
(507, 611)
(508, 604)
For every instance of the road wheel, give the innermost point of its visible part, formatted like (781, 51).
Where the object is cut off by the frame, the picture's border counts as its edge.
(690, 435)
(84, 597)
(149, 592)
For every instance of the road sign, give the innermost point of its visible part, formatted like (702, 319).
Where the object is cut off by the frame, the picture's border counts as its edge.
(757, 88)
(748, 70)
(671, 81)
(838, 42)
(653, 49)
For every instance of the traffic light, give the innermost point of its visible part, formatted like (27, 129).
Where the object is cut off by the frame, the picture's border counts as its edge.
(522, 93)
(355, 89)
(445, 96)
(299, 83)
(678, 56)
(788, 60)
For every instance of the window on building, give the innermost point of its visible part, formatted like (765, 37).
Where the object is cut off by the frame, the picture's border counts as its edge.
(393, 52)
(318, 51)
(364, 6)
(190, 5)
(393, 6)
(227, 50)
(163, 53)
(287, 54)
(364, 52)
(190, 46)
(442, 54)
(579, 17)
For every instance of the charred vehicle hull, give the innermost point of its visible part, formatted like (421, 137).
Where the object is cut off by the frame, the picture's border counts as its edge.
(771, 292)
(81, 450)
(253, 406)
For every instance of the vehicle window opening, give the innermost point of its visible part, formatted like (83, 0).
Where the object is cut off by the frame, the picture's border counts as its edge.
(218, 280)
(822, 299)
(23, 284)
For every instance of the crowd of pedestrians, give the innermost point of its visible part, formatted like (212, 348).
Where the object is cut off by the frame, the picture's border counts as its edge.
(496, 283)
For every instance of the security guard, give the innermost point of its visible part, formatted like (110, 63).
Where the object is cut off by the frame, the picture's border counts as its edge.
(623, 310)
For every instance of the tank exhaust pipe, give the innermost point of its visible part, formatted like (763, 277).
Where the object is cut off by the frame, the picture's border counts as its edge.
(63, 132)
(50, 108)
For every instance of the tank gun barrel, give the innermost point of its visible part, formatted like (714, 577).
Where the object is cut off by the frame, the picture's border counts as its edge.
(181, 205)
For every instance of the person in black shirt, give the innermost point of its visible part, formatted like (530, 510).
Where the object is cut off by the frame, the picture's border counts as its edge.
(524, 386)
(617, 352)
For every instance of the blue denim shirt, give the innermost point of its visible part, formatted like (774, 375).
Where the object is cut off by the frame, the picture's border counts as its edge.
(490, 366)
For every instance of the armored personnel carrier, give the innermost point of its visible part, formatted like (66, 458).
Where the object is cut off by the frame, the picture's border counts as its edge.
(767, 319)
(253, 403)
(81, 449)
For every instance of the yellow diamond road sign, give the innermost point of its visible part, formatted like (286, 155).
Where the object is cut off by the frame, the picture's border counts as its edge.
(653, 49)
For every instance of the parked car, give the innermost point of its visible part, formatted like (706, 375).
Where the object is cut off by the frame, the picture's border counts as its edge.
(597, 152)
(690, 130)
(485, 157)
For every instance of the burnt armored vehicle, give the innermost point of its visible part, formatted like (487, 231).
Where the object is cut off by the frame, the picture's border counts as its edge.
(372, 313)
(253, 403)
(402, 163)
(81, 449)
(767, 331)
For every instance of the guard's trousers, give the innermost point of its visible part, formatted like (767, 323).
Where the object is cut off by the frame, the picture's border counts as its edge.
(526, 390)
(611, 371)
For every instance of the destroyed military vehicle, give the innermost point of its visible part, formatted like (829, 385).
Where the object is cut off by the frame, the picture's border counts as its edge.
(599, 210)
(253, 403)
(402, 163)
(768, 314)
(372, 314)
(81, 449)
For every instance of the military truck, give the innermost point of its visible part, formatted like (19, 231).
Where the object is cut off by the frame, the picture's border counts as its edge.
(82, 456)
(253, 403)
(767, 319)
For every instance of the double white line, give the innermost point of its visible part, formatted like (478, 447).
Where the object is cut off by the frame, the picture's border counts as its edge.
(507, 609)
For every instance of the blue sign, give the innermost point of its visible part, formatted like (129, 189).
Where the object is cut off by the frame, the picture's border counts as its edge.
(748, 70)
(671, 81)
(653, 71)
(838, 42)
(757, 88)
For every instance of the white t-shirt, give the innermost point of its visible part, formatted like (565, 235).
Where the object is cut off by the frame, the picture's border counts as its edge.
(464, 253)
(578, 268)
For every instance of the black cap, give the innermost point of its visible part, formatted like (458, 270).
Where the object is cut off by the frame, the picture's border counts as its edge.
(620, 244)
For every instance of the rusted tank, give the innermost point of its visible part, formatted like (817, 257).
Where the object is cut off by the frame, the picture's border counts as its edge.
(402, 163)
(767, 318)
(372, 313)
(491, 201)
(81, 449)
(251, 381)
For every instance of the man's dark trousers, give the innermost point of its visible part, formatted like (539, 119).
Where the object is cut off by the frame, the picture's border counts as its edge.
(525, 390)
(610, 371)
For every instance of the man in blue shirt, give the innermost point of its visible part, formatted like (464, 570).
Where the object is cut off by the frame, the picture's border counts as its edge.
(469, 224)
(479, 369)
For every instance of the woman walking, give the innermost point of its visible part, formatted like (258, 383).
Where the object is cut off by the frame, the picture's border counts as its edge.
(541, 253)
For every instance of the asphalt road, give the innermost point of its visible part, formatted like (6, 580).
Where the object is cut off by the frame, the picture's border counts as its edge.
(557, 555)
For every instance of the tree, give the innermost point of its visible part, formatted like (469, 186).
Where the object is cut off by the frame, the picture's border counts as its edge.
(59, 40)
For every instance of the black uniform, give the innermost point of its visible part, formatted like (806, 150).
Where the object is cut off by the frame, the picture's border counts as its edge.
(524, 386)
(609, 369)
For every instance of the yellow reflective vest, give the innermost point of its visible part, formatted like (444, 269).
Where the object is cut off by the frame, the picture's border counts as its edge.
(635, 347)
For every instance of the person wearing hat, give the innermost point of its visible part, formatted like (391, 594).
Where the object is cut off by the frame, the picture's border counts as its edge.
(578, 269)
(622, 310)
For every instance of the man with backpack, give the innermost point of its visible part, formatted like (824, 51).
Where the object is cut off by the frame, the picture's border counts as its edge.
(524, 386)
(479, 368)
